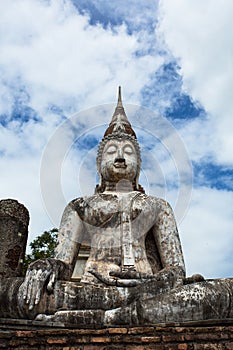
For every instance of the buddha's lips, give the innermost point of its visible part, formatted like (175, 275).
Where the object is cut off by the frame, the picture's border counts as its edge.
(120, 165)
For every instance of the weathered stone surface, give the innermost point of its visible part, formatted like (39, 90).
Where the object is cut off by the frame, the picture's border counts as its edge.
(14, 220)
(9, 297)
(198, 301)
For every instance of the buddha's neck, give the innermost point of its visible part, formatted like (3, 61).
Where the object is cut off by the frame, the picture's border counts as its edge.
(121, 186)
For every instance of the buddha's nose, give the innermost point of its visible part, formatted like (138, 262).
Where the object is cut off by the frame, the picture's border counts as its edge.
(120, 157)
(120, 154)
(119, 160)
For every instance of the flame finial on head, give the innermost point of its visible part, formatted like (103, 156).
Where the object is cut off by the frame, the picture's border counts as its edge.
(119, 102)
(119, 122)
(120, 129)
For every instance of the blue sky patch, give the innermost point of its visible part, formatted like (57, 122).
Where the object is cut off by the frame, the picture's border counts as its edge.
(24, 114)
(86, 142)
(95, 15)
(108, 13)
(165, 94)
(183, 108)
(164, 85)
(213, 175)
(21, 114)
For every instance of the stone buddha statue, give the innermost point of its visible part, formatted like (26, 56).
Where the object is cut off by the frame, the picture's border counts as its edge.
(135, 272)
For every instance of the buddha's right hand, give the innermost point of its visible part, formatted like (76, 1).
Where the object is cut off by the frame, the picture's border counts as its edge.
(42, 275)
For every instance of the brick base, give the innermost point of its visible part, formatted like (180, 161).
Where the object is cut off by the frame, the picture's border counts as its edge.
(15, 335)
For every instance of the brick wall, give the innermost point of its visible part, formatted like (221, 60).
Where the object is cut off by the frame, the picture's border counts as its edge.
(138, 338)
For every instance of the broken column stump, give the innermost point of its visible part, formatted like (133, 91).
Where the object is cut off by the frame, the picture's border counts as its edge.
(14, 220)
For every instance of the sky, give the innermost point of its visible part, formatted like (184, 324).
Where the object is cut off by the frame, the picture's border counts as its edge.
(61, 64)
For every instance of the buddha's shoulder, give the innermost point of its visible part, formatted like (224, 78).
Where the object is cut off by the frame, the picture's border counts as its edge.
(152, 199)
(142, 199)
(80, 202)
(152, 203)
(83, 202)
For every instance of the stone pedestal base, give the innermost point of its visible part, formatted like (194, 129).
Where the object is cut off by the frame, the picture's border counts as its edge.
(22, 334)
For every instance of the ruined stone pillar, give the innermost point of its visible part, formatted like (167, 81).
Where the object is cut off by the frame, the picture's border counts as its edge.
(14, 220)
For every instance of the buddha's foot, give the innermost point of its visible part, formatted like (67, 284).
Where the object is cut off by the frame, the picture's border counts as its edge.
(80, 318)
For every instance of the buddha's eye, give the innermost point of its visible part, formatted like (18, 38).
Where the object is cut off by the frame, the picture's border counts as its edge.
(111, 149)
(128, 150)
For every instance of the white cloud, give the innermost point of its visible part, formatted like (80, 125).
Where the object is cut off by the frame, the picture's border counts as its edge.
(59, 55)
(200, 138)
(207, 233)
(199, 34)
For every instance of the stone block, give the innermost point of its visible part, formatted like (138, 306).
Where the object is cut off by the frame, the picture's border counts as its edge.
(117, 330)
(173, 338)
(182, 347)
(152, 339)
(14, 220)
(56, 340)
(100, 340)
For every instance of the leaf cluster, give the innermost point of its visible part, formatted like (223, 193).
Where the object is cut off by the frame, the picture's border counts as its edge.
(42, 247)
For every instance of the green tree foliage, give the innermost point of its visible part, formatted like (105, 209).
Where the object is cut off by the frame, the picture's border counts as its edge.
(42, 247)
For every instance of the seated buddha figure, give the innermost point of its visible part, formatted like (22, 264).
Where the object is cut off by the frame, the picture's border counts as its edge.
(135, 272)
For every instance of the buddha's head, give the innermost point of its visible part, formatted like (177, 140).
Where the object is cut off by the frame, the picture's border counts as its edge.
(118, 155)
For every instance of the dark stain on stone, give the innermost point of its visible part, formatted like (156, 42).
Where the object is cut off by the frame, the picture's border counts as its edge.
(13, 256)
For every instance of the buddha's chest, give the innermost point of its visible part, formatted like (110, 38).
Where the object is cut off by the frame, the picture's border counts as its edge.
(108, 211)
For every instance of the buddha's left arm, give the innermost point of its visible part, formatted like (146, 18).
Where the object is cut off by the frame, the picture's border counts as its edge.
(168, 243)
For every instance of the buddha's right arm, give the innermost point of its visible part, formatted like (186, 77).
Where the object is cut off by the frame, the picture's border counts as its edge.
(42, 274)
(69, 237)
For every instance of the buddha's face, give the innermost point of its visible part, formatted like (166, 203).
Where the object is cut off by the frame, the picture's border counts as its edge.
(119, 161)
